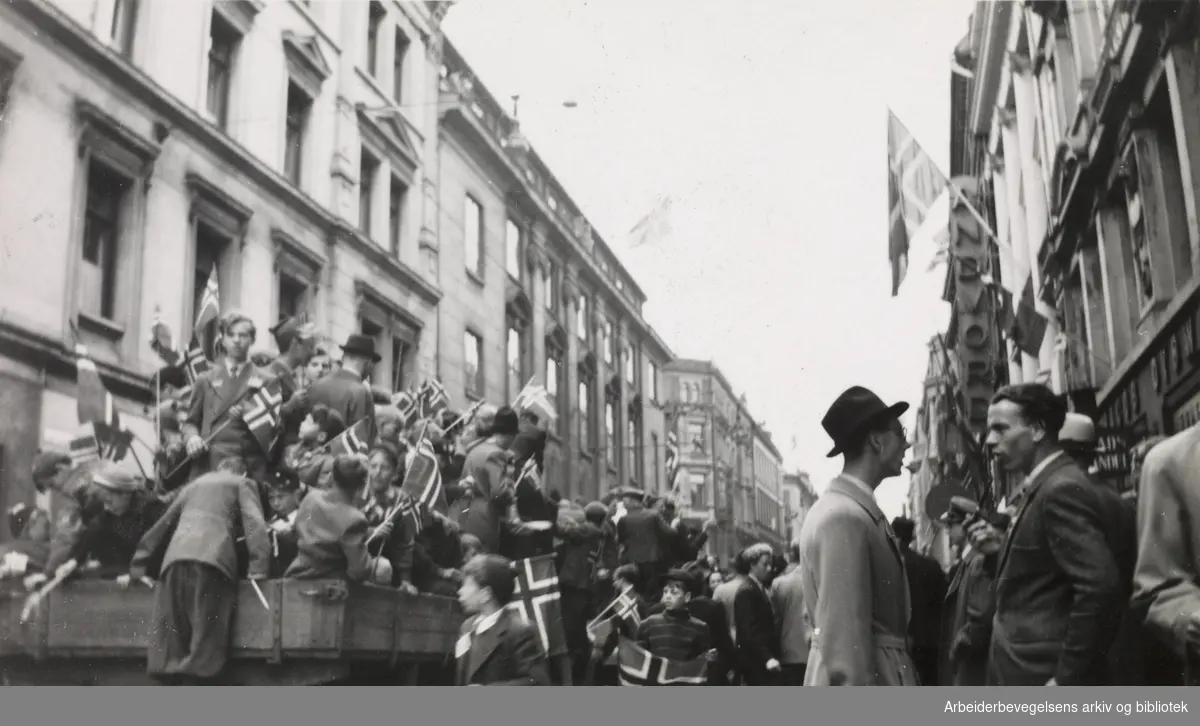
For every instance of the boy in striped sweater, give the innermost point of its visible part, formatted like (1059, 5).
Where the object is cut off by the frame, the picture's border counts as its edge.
(674, 633)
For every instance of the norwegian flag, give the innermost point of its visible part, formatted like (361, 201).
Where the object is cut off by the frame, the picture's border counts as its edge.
(94, 403)
(209, 308)
(640, 668)
(432, 398)
(537, 399)
(84, 448)
(623, 607)
(352, 441)
(672, 460)
(262, 416)
(423, 479)
(195, 362)
(539, 602)
(406, 402)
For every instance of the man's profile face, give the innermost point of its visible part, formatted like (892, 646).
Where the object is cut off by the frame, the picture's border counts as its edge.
(1012, 440)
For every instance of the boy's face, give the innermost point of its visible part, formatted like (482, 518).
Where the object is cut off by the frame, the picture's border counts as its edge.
(674, 597)
(282, 502)
(310, 432)
(471, 596)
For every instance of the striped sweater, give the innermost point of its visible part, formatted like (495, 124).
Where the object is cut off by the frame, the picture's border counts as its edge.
(674, 634)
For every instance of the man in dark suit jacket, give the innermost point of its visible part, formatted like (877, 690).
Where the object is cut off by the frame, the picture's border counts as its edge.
(331, 532)
(577, 579)
(344, 392)
(495, 646)
(645, 540)
(969, 604)
(192, 549)
(1058, 588)
(754, 620)
(214, 430)
(927, 585)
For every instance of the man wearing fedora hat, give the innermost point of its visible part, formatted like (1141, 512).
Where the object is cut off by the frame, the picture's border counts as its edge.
(855, 585)
(343, 390)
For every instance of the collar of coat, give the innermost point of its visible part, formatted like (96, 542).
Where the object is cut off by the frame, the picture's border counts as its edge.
(848, 488)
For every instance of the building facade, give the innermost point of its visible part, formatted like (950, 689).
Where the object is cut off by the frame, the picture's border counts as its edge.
(798, 498)
(719, 445)
(318, 158)
(536, 294)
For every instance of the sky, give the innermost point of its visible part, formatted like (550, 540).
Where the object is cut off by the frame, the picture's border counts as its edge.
(766, 122)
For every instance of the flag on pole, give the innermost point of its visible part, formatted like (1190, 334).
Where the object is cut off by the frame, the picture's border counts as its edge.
(672, 460)
(640, 668)
(654, 226)
(537, 399)
(207, 312)
(432, 398)
(914, 184)
(538, 601)
(352, 441)
(263, 417)
(1028, 325)
(423, 478)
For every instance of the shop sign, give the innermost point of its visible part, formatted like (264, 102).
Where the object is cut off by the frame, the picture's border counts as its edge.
(1114, 444)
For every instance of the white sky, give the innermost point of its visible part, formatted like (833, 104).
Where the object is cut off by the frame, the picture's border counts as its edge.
(766, 120)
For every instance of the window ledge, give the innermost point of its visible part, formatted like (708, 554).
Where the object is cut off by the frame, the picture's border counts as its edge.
(475, 277)
(101, 326)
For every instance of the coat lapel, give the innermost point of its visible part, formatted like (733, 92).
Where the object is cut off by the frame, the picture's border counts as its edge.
(867, 502)
(1027, 498)
(484, 645)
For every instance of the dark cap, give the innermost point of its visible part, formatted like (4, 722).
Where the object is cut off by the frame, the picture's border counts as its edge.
(47, 463)
(959, 510)
(349, 472)
(283, 481)
(506, 423)
(595, 512)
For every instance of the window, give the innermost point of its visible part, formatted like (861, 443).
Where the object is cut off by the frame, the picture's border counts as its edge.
(402, 45)
(124, 23)
(396, 197)
(515, 349)
(698, 483)
(585, 397)
(368, 167)
(211, 246)
(695, 436)
(473, 235)
(552, 373)
(634, 448)
(512, 249)
(550, 286)
(581, 319)
(293, 296)
(374, 22)
(609, 342)
(473, 364)
(106, 195)
(630, 368)
(299, 108)
(373, 330)
(400, 350)
(652, 381)
(223, 44)
(610, 433)
(654, 452)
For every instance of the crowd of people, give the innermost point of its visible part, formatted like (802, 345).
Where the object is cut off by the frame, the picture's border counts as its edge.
(1058, 589)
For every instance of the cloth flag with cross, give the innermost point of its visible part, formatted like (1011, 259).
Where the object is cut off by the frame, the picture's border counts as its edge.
(641, 668)
(263, 416)
(538, 601)
(352, 441)
(914, 184)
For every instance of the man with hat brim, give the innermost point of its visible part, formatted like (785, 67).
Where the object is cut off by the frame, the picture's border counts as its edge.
(343, 390)
(969, 604)
(645, 540)
(855, 585)
(1077, 437)
(284, 493)
(297, 341)
(113, 522)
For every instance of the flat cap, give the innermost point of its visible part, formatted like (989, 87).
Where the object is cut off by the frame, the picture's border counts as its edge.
(116, 478)
(960, 508)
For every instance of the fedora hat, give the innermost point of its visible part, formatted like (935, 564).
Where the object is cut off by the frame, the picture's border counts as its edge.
(852, 412)
(362, 346)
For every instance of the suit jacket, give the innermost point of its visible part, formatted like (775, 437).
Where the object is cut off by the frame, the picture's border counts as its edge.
(345, 393)
(967, 612)
(927, 585)
(530, 441)
(331, 539)
(1167, 579)
(644, 537)
(202, 524)
(754, 619)
(855, 592)
(208, 415)
(486, 505)
(795, 632)
(508, 653)
(291, 412)
(1058, 588)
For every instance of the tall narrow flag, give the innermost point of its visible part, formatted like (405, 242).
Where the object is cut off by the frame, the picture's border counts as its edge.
(423, 479)
(640, 668)
(655, 226)
(538, 601)
(672, 460)
(94, 404)
(207, 313)
(1029, 327)
(914, 184)
(262, 416)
